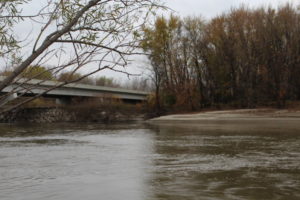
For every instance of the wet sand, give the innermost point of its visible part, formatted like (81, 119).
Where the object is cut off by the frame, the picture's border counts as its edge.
(234, 115)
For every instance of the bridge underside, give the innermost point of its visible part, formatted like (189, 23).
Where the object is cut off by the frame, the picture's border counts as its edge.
(29, 88)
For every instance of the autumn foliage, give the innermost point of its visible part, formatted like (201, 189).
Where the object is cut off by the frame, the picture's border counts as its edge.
(244, 58)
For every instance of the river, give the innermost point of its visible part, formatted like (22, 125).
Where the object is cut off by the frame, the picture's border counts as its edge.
(176, 161)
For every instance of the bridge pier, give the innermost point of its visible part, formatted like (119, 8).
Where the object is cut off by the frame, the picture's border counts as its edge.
(8, 99)
(63, 101)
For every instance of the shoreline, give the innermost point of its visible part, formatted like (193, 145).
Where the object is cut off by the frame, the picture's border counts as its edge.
(54, 115)
(69, 115)
(232, 115)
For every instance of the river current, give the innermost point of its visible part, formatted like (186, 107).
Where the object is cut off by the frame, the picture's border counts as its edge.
(179, 161)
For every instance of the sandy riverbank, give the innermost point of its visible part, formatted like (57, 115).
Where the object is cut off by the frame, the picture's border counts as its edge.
(229, 115)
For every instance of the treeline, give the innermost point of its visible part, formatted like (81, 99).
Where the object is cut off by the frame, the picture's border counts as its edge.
(244, 58)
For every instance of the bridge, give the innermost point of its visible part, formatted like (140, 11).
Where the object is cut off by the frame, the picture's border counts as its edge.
(35, 87)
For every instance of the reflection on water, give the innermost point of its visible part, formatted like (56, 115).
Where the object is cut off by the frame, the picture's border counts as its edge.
(257, 160)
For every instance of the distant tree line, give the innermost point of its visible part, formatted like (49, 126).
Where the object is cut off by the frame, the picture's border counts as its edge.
(244, 58)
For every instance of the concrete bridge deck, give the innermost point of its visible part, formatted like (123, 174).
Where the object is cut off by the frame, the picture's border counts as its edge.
(35, 87)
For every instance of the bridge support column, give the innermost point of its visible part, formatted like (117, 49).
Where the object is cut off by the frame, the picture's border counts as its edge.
(8, 99)
(63, 101)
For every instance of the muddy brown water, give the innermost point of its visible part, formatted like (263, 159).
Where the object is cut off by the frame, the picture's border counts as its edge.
(209, 161)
